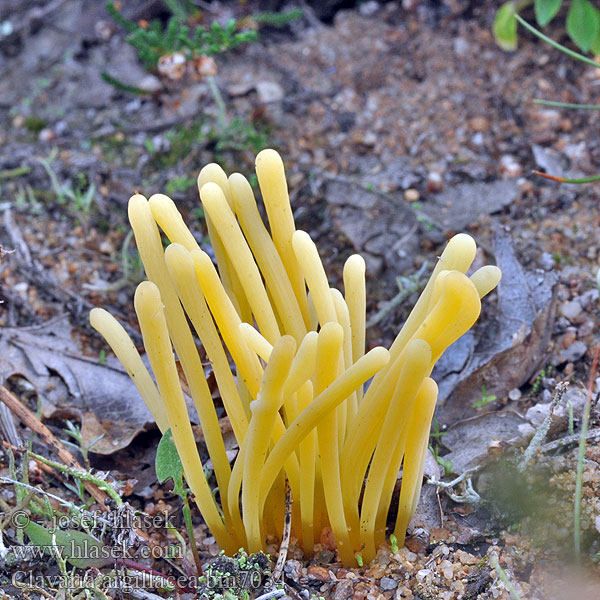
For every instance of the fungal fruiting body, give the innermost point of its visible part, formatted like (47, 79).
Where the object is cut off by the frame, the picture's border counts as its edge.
(295, 395)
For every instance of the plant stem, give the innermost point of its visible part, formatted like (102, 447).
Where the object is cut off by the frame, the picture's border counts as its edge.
(566, 104)
(187, 517)
(222, 118)
(82, 475)
(566, 179)
(502, 574)
(556, 45)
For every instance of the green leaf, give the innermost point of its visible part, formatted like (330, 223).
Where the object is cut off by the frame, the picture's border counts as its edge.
(168, 464)
(595, 47)
(78, 548)
(545, 10)
(505, 27)
(583, 24)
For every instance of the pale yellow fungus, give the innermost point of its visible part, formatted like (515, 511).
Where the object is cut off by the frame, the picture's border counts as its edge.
(294, 395)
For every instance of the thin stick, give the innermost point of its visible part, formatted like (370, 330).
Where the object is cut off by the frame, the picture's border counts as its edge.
(285, 538)
(31, 421)
(581, 455)
(560, 179)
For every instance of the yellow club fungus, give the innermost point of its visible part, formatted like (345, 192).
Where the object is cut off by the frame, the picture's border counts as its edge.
(295, 393)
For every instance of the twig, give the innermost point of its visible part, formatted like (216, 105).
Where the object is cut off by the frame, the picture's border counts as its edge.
(581, 455)
(273, 594)
(540, 434)
(79, 473)
(31, 421)
(469, 497)
(70, 505)
(285, 538)
(591, 435)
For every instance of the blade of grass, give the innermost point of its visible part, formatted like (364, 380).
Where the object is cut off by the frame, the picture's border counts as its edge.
(566, 179)
(566, 104)
(556, 45)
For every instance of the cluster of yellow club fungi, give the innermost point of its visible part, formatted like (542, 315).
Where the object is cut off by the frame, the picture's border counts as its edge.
(296, 397)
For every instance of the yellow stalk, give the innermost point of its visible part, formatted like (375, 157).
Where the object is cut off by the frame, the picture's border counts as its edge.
(453, 314)
(416, 445)
(486, 279)
(356, 300)
(150, 248)
(264, 251)
(343, 386)
(303, 365)
(264, 411)
(307, 454)
(116, 336)
(215, 205)
(181, 267)
(314, 274)
(273, 187)
(329, 347)
(256, 342)
(215, 174)
(418, 358)
(228, 321)
(347, 411)
(149, 309)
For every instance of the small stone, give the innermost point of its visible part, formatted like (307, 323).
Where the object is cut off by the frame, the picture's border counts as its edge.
(587, 297)
(537, 413)
(514, 394)
(571, 309)
(422, 574)
(526, 430)
(317, 572)
(343, 590)
(411, 195)
(477, 139)
(366, 9)
(269, 91)
(106, 247)
(46, 135)
(461, 47)
(447, 570)
(568, 339)
(479, 124)
(573, 353)
(547, 261)
(387, 583)
(466, 558)
(150, 83)
(435, 182)
(510, 167)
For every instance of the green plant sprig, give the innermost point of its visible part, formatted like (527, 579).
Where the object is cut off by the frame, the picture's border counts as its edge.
(554, 44)
(566, 104)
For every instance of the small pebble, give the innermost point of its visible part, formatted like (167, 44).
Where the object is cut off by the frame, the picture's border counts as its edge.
(510, 167)
(434, 182)
(479, 124)
(411, 195)
(387, 583)
(514, 394)
(571, 309)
